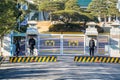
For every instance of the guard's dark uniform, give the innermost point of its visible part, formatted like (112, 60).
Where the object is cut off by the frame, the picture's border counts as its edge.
(31, 45)
(17, 44)
(91, 47)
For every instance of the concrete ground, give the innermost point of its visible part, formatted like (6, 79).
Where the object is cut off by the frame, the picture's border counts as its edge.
(64, 69)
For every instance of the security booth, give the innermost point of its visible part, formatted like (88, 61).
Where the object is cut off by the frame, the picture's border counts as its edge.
(21, 38)
(32, 31)
(91, 32)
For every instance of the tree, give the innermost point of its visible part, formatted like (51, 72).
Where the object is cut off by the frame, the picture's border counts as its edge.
(68, 16)
(103, 8)
(7, 17)
(72, 5)
(49, 6)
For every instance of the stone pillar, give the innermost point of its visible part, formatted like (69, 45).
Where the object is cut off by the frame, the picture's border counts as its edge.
(91, 32)
(115, 40)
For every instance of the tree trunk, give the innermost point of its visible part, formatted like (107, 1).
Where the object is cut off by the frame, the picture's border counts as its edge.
(1, 46)
(109, 18)
(50, 16)
(44, 15)
(99, 18)
(84, 24)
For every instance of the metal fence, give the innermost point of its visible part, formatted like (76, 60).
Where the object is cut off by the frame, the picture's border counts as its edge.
(71, 44)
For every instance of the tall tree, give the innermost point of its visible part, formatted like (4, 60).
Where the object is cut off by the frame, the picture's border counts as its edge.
(7, 17)
(49, 6)
(103, 8)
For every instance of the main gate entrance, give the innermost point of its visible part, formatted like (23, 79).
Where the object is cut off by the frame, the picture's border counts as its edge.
(61, 44)
(71, 44)
(65, 44)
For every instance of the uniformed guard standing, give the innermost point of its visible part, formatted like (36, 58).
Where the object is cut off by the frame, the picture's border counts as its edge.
(91, 47)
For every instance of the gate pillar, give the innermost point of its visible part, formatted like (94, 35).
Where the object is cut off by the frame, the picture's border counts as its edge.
(91, 32)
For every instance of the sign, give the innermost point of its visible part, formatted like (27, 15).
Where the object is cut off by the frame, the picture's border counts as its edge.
(73, 43)
(49, 43)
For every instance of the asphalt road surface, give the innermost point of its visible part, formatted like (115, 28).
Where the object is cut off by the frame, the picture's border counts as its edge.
(64, 69)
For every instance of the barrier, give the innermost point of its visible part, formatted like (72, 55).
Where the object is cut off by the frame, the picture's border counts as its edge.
(33, 59)
(97, 59)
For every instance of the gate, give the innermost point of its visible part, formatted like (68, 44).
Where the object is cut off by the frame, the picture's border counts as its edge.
(61, 44)
(65, 44)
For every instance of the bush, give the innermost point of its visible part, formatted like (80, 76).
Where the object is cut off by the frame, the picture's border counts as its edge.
(70, 27)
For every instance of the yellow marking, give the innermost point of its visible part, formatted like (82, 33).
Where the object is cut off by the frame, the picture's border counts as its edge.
(80, 59)
(116, 60)
(52, 59)
(96, 59)
(88, 59)
(112, 60)
(15, 59)
(48, 59)
(19, 59)
(104, 59)
(36, 58)
(39, 58)
(44, 59)
(31, 59)
(92, 59)
(55, 60)
(84, 59)
(11, 59)
(27, 59)
(76, 58)
(108, 59)
(100, 59)
(23, 59)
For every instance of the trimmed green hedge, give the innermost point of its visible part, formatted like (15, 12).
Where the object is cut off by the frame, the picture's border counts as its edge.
(71, 27)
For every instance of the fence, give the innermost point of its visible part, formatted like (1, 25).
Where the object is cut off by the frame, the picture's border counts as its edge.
(71, 44)
(65, 44)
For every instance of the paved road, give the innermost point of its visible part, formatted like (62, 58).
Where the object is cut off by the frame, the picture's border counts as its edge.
(64, 69)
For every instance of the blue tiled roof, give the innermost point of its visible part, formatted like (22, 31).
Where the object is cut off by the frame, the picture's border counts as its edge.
(84, 2)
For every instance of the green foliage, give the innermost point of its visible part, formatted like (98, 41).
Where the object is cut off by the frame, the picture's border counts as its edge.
(7, 16)
(72, 5)
(67, 15)
(73, 27)
(103, 7)
(71, 15)
(47, 5)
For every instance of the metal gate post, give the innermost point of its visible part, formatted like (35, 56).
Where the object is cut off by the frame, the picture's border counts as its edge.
(11, 44)
(61, 44)
(38, 44)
